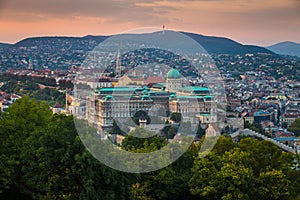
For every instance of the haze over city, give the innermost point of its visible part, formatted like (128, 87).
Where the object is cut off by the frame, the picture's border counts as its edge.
(246, 21)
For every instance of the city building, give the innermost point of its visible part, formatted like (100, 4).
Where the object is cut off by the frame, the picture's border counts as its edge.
(297, 90)
(249, 118)
(212, 130)
(289, 118)
(57, 108)
(263, 115)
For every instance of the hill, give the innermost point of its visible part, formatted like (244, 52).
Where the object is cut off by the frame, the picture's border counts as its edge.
(61, 43)
(222, 45)
(212, 44)
(5, 45)
(286, 48)
(58, 52)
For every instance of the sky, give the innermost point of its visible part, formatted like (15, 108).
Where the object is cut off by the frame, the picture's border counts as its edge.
(259, 22)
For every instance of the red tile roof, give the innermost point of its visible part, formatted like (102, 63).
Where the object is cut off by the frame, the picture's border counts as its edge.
(154, 79)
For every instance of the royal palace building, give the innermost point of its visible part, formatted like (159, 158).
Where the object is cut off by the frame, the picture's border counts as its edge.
(110, 103)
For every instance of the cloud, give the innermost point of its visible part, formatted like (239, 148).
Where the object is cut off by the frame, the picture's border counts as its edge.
(115, 10)
(142, 12)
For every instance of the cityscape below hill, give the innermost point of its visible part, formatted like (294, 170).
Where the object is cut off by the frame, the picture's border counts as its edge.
(212, 44)
(60, 52)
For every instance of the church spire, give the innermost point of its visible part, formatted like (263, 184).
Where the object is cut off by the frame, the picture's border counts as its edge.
(118, 64)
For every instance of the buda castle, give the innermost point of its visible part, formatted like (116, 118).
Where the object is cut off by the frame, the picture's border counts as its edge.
(121, 103)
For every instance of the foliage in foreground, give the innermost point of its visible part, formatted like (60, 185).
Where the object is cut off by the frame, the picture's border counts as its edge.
(42, 157)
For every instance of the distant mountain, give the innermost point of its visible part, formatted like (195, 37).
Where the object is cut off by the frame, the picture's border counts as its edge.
(5, 45)
(99, 38)
(58, 52)
(286, 48)
(61, 43)
(221, 45)
(213, 45)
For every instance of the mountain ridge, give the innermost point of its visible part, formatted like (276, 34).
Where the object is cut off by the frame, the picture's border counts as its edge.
(212, 44)
(286, 48)
(223, 45)
(5, 45)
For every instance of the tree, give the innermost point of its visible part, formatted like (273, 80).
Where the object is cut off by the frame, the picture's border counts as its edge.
(22, 119)
(227, 130)
(176, 117)
(166, 128)
(264, 154)
(172, 132)
(133, 143)
(63, 168)
(273, 184)
(42, 157)
(253, 127)
(253, 170)
(228, 108)
(200, 131)
(295, 127)
(141, 115)
(223, 145)
(116, 129)
(284, 125)
(170, 182)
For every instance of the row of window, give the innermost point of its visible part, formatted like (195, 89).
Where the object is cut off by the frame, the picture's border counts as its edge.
(186, 110)
(122, 106)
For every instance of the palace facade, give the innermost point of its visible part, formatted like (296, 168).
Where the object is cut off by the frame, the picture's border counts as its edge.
(121, 103)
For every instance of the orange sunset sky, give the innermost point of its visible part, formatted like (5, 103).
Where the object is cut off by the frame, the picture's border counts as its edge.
(261, 22)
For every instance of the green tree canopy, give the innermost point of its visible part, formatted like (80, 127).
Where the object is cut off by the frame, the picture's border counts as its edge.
(176, 117)
(295, 127)
(42, 157)
(251, 170)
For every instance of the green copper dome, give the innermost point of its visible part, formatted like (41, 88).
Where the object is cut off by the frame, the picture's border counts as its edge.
(173, 73)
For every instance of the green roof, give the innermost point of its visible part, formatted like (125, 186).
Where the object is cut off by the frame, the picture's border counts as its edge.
(122, 90)
(207, 115)
(146, 97)
(195, 88)
(190, 97)
(172, 96)
(173, 73)
(108, 97)
(112, 89)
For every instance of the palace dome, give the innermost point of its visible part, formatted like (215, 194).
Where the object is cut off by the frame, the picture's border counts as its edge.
(173, 73)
